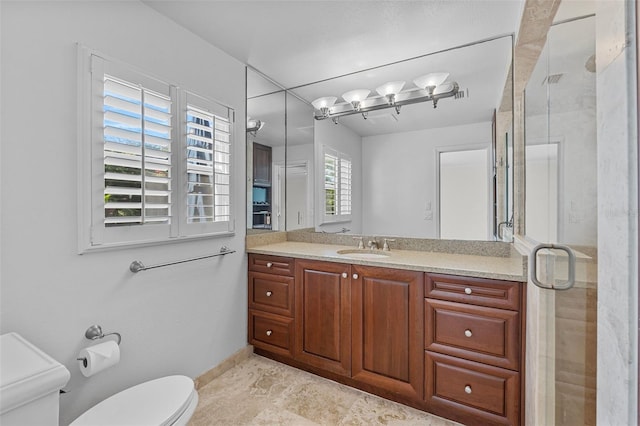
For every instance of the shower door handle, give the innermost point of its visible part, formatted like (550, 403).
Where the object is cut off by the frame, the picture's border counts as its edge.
(533, 269)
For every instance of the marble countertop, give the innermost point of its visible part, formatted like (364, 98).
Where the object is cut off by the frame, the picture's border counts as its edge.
(511, 268)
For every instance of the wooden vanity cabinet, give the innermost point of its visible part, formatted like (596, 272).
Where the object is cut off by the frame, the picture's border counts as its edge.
(473, 349)
(271, 303)
(323, 315)
(387, 329)
(449, 345)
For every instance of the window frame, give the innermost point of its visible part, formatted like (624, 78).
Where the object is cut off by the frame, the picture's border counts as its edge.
(93, 235)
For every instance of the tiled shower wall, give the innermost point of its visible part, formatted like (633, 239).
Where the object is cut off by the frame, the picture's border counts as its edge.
(617, 213)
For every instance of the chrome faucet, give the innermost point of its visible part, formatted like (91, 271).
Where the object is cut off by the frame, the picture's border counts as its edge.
(360, 243)
(385, 247)
(372, 244)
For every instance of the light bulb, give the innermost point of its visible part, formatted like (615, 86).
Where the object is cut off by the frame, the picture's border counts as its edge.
(429, 82)
(390, 90)
(324, 104)
(354, 97)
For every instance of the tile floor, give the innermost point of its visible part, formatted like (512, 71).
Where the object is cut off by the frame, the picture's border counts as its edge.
(260, 391)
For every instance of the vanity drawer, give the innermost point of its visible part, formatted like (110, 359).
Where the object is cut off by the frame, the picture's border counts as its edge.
(470, 392)
(476, 291)
(271, 332)
(271, 293)
(487, 335)
(271, 264)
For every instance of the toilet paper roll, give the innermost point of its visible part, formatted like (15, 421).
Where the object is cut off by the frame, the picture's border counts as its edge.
(99, 357)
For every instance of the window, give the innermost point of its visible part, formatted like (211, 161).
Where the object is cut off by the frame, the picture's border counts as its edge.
(158, 167)
(337, 186)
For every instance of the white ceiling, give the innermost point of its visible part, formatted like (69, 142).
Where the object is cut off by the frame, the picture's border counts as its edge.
(302, 41)
(298, 42)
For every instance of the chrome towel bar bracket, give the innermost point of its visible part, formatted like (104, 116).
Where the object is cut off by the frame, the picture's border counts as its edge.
(137, 266)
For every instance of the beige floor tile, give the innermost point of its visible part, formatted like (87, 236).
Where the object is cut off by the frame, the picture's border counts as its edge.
(260, 391)
(275, 416)
(372, 410)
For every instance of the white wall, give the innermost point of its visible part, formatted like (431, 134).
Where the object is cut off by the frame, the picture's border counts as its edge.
(344, 140)
(400, 172)
(183, 319)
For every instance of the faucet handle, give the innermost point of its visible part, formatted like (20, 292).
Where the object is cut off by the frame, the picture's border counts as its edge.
(360, 242)
(385, 247)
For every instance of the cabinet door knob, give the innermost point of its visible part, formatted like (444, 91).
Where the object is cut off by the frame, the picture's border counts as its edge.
(468, 333)
(344, 275)
(467, 290)
(269, 334)
(355, 276)
(468, 389)
(269, 294)
(269, 264)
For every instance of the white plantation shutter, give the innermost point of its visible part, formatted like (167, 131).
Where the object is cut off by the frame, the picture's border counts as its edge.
(208, 166)
(330, 184)
(337, 185)
(345, 186)
(137, 155)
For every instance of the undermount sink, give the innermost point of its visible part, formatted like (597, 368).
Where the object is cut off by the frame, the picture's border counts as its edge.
(362, 254)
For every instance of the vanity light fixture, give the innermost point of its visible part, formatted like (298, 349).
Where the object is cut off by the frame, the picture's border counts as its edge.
(324, 104)
(390, 90)
(253, 125)
(430, 87)
(430, 81)
(355, 97)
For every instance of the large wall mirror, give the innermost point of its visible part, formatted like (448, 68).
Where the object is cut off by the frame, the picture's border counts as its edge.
(422, 172)
(280, 185)
(266, 150)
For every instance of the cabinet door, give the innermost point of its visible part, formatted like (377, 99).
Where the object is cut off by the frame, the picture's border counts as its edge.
(323, 315)
(387, 306)
(261, 164)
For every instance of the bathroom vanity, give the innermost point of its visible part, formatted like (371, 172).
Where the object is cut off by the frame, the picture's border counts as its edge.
(443, 333)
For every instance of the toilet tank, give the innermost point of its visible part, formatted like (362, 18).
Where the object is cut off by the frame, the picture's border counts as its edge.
(30, 383)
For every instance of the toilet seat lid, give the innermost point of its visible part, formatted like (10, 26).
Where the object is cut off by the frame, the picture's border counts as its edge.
(156, 402)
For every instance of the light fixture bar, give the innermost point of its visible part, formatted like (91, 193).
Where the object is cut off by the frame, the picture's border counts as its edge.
(445, 90)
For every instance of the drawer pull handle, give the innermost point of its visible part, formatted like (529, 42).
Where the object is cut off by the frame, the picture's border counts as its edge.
(467, 290)
(269, 332)
(355, 276)
(344, 275)
(269, 294)
(468, 389)
(468, 333)
(269, 264)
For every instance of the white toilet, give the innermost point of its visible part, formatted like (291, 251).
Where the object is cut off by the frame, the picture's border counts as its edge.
(167, 401)
(30, 382)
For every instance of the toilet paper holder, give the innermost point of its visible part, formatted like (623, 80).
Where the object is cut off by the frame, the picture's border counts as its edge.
(95, 332)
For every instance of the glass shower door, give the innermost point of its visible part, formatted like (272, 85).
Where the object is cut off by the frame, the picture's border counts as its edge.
(561, 208)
